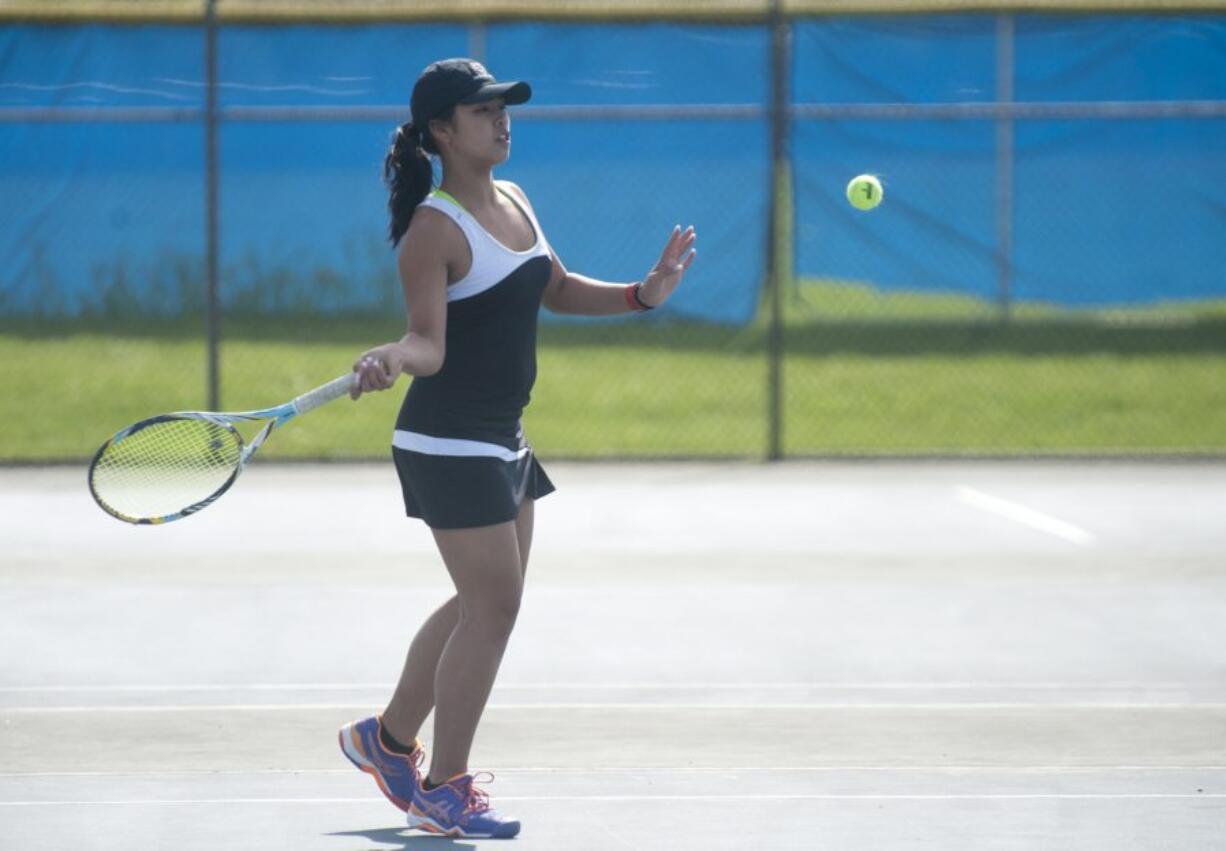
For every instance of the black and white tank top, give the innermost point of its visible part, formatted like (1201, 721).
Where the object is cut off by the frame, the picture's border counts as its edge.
(472, 406)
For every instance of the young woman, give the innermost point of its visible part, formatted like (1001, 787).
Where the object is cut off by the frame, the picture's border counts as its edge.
(475, 267)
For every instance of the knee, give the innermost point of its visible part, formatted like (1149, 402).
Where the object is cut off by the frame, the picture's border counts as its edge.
(494, 611)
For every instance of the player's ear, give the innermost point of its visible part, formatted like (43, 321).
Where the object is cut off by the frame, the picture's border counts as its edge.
(441, 130)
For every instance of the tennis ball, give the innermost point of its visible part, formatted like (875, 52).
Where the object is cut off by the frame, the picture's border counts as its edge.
(864, 192)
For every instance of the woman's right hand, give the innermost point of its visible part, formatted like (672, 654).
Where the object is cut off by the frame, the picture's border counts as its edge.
(377, 369)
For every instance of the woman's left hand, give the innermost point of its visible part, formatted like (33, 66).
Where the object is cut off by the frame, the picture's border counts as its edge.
(664, 277)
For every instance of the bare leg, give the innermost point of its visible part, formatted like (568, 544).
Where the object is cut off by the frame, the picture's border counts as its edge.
(487, 570)
(523, 532)
(414, 696)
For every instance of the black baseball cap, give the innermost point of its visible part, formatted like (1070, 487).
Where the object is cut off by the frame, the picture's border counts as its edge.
(451, 81)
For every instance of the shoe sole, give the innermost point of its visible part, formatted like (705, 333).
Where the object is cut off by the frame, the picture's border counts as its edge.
(429, 825)
(354, 755)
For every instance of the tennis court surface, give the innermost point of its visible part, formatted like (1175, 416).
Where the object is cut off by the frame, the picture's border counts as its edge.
(711, 656)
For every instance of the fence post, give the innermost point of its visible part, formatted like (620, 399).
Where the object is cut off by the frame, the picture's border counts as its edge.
(476, 41)
(780, 54)
(212, 310)
(1004, 164)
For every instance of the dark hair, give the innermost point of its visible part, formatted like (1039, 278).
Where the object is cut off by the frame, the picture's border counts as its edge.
(408, 173)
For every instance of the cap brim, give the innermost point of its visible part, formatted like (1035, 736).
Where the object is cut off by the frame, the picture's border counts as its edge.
(511, 93)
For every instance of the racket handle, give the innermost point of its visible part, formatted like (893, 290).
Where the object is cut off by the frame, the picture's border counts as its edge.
(334, 389)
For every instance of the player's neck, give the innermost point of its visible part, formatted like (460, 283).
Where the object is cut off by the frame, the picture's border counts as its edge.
(472, 187)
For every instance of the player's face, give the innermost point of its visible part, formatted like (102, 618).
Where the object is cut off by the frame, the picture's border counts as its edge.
(482, 132)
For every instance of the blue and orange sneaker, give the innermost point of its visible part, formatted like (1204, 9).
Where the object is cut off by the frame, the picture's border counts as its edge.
(460, 810)
(397, 774)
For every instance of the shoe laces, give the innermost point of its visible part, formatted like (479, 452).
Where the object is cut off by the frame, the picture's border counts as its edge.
(477, 800)
(415, 759)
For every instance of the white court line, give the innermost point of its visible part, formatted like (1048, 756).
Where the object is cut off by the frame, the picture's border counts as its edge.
(649, 769)
(204, 687)
(572, 686)
(613, 707)
(644, 798)
(1026, 516)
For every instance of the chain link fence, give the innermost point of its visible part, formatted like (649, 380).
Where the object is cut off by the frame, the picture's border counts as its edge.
(1043, 276)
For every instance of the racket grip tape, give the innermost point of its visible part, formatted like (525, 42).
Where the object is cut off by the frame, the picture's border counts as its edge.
(334, 389)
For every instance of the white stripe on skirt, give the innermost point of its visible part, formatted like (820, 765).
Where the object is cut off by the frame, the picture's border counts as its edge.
(428, 445)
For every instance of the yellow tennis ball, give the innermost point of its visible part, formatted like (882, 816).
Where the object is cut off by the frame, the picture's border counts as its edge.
(864, 192)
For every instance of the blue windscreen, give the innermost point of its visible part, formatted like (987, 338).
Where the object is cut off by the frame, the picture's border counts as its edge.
(109, 215)
(103, 209)
(1093, 210)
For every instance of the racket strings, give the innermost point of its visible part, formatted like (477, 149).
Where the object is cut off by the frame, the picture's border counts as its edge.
(165, 467)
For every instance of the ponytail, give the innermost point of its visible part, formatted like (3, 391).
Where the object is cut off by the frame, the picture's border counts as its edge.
(409, 176)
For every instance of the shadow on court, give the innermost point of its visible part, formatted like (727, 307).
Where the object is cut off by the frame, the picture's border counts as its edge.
(395, 838)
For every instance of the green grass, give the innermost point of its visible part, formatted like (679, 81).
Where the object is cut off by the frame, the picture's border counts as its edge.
(869, 372)
(865, 372)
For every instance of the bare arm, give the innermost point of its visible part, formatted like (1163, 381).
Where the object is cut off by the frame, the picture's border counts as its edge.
(427, 252)
(569, 292)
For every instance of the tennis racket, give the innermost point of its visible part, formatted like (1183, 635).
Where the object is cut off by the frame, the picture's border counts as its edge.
(167, 467)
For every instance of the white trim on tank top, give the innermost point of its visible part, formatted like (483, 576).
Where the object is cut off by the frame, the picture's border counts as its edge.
(491, 260)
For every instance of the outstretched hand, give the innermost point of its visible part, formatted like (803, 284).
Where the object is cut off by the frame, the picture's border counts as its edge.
(664, 277)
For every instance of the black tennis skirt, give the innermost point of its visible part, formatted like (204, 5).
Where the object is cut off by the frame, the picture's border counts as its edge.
(460, 492)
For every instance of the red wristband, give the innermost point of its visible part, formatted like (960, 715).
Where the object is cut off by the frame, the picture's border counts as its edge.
(634, 300)
(631, 301)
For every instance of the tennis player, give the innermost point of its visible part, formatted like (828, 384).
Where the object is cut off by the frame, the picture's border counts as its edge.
(475, 267)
